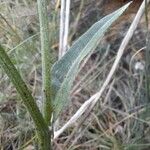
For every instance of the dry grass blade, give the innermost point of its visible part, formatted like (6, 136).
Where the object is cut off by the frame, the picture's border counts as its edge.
(64, 26)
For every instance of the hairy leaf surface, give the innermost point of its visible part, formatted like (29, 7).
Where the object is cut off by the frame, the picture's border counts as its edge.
(66, 69)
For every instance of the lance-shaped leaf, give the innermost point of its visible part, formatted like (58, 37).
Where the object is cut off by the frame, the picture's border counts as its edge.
(66, 69)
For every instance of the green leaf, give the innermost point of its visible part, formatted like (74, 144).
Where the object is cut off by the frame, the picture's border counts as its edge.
(66, 69)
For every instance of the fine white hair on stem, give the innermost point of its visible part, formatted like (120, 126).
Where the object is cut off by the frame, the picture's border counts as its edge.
(64, 27)
(90, 103)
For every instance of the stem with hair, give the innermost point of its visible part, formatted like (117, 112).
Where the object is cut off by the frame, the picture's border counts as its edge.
(41, 126)
(46, 60)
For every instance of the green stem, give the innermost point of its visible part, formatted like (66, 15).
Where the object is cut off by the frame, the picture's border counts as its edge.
(46, 59)
(42, 129)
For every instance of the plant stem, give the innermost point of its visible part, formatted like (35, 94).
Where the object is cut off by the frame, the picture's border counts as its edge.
(42, 129)
(46, 60)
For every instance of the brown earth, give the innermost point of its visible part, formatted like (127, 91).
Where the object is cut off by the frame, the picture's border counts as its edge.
(111, 5)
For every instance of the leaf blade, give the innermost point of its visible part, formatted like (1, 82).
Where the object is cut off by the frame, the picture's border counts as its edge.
(65, 70)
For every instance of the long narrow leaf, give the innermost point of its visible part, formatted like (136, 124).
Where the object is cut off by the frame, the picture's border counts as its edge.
(65, 70)
(26, 96)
